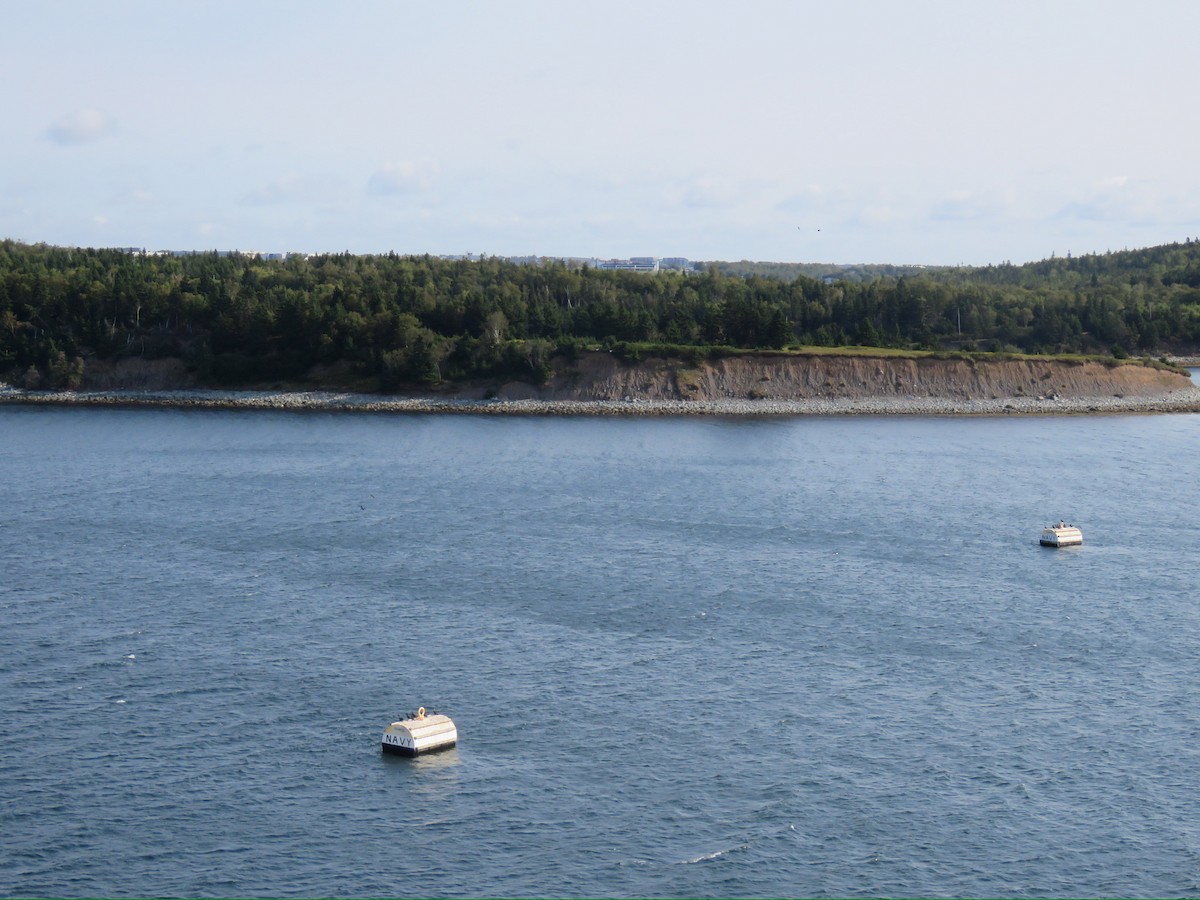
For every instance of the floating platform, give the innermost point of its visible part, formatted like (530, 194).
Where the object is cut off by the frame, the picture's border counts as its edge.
(420, 734)
(1061, 535)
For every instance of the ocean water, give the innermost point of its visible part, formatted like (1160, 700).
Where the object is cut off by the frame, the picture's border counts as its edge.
(818, 657)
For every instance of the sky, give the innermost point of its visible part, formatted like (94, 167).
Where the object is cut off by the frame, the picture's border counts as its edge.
(914, 132)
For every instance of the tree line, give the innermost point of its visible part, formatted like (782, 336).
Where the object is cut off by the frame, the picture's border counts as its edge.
(238, 319)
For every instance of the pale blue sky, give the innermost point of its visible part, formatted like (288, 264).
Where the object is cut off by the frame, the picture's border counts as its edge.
(906, 132)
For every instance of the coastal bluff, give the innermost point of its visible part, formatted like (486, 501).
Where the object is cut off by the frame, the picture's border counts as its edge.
(759, 384)
(787, 377)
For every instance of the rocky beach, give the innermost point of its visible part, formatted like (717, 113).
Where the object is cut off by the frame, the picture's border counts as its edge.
(600, 385)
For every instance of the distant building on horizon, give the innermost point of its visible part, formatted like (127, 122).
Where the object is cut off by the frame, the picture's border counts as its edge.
(633, 264)
(676, 262)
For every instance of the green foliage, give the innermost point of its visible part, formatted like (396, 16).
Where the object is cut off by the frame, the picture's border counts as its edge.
(65, 374)
(239, 320)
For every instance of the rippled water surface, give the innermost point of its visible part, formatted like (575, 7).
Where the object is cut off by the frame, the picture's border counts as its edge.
(685, 657)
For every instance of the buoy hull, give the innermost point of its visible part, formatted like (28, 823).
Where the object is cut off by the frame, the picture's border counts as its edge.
(1061, 536)
(399, 750)
(416, 737)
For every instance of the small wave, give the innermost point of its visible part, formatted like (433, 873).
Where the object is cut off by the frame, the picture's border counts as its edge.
(716, 854)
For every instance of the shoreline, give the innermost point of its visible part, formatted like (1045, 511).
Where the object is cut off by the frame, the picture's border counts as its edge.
(1187, 401)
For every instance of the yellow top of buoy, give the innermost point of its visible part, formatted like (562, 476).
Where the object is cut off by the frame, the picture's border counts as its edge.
(421, 713)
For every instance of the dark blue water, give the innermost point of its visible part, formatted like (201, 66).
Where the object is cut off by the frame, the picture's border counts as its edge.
(686, 657)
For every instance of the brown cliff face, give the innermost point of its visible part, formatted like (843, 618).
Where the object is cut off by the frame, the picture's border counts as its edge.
(600, 376)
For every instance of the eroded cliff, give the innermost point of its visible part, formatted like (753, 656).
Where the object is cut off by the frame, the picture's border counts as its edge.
(601, 376)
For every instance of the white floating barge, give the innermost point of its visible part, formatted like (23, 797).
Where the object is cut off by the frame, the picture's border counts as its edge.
(420, 734)
(1061, 535)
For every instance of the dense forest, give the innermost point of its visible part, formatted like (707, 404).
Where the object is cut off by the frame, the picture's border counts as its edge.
(396, 320)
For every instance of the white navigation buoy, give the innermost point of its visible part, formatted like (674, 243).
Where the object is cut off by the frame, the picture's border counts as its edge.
(1061, 535)
(419, 734)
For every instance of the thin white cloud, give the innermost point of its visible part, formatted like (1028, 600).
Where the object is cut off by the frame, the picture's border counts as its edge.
(404, 177)
(811, 198)
(1118, 199)
(1088, 212)
(708, 193)
(879, 215)
(964, 206)
(291, 188)
(79, 127)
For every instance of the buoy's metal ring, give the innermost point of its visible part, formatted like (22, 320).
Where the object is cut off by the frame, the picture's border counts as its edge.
(421, 713)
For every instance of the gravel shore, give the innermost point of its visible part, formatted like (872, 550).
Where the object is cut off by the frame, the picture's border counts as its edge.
(1185, 401)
